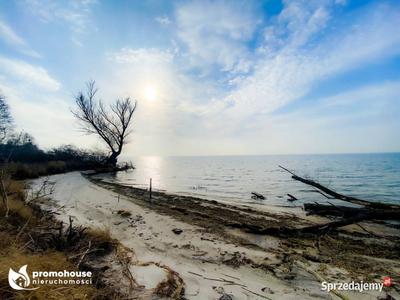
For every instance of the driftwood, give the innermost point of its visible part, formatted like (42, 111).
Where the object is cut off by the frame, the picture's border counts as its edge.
(340, 196)
(332, 210)
(257, 196)
(257, 294)
(292, 198)
(350, 215)
(364, 215)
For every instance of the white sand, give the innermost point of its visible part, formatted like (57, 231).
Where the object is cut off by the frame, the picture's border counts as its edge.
(150, 236)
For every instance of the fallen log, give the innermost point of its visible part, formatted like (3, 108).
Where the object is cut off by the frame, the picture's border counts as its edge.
(341, 211)
(377, 205)
(364, 215)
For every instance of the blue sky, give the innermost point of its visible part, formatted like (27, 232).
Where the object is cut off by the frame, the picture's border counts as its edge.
(228, 77)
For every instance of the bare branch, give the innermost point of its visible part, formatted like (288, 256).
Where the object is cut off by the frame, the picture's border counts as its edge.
(111, 126)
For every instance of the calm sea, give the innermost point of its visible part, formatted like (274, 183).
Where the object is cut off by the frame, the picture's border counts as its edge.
(374, 177)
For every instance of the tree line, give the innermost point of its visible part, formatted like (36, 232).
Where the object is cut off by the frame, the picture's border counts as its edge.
(111, 125)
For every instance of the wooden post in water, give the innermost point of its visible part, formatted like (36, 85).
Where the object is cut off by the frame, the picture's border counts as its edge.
(151, 201)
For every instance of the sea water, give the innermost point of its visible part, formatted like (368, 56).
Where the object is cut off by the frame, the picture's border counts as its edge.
(374, 177)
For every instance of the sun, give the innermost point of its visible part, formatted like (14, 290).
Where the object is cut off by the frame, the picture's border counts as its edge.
(150, 94)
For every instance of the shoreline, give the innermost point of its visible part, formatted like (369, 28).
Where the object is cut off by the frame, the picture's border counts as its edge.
(256, 204)
(217, 239)
(286, 215)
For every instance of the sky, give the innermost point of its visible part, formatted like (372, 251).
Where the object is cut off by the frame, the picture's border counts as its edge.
(210, 77)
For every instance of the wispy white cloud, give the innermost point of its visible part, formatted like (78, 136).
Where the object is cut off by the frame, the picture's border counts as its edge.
(165, 21)
(175, 45)
(142, 55)
(76, 42)
(54, 127)
(215, 32)
(81, 3)
(31, 53)
(295, 56)
(30, 93)
(359, 120)
(302, 20)
(20, 71)
(10, 37)
(78, 20)
(76, 12)
(374, 99)
(341, 2)
(290, 72)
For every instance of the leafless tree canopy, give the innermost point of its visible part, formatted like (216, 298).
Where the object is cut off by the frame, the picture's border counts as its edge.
(5, 118)
(110, 125)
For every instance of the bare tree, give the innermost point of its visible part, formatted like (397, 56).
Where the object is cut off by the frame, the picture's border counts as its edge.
(5, 128)
(5, 118)
(110, 126)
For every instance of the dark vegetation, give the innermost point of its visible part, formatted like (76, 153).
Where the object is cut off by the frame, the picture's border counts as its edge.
(32, 236)
(26, 160)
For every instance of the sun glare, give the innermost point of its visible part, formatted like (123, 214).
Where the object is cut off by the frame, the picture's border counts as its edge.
(150, 94)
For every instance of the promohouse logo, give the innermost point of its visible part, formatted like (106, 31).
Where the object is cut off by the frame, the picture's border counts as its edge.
(21, 281)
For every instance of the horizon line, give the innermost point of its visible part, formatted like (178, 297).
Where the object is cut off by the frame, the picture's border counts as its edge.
(285, 154)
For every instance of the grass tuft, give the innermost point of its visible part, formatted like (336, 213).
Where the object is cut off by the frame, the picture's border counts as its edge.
(124, 213)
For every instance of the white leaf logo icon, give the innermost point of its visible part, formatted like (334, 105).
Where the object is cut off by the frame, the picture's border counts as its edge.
(19, 280)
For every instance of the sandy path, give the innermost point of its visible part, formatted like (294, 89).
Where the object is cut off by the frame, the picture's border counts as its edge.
(151, 237)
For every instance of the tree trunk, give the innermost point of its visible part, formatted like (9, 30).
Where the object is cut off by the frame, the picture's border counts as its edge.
(112, 160)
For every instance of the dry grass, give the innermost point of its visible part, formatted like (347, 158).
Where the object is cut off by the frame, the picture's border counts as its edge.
(14, 258)
(323, 268)
(21, 171)
(124, 213)
(100, 234)
(173, 287)
(26, 238)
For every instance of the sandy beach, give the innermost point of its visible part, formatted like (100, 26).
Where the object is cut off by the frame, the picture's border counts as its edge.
(215, 249)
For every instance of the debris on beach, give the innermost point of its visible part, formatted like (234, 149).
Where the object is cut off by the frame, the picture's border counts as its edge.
(124, 213)
(370, 210)
(267, 290)
(198, 188)
(177, 231)
(220, 290)
(256, 195)
(330, 254)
